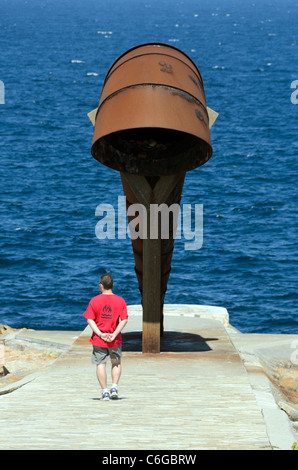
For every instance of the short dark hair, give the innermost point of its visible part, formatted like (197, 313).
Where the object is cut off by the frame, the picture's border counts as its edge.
(107, 281)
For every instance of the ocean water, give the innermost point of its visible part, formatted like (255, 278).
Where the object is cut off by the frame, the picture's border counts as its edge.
(54, 57)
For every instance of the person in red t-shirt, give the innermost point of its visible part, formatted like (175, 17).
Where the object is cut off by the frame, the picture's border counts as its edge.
(107, 316)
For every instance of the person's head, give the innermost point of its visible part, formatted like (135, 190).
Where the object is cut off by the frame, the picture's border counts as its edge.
(106, 281)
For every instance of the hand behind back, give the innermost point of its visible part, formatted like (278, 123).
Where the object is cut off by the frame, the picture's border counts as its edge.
(108, 337)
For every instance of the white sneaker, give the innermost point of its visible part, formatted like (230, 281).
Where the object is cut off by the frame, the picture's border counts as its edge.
(105, 396)
(114, 393)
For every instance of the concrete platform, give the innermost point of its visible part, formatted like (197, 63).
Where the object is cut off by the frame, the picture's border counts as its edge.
(205, 390)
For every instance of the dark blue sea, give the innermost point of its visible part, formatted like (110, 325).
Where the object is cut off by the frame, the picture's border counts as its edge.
(54, 57)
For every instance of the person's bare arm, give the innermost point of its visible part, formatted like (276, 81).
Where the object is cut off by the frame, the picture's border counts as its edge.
(119, 328)
(96, 330)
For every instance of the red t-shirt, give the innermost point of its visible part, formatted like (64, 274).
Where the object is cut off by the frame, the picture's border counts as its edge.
(106, 310)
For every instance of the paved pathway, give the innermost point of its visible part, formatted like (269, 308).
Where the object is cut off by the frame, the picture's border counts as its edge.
(195, 395)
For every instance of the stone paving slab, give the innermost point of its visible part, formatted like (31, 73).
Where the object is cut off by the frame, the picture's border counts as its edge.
(195, 395)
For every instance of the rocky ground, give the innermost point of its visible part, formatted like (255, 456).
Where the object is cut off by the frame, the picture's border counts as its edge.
(285, 390)
(20, 358)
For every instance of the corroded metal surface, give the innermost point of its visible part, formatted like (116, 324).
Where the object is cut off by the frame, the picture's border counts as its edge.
(152, 117)
(157, 48)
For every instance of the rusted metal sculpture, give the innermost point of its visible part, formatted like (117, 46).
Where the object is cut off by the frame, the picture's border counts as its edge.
(152, 125)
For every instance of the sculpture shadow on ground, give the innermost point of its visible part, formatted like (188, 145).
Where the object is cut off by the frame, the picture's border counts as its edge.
(171, 341)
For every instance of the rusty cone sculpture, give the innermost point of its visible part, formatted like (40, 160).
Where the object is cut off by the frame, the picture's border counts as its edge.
(152, 125)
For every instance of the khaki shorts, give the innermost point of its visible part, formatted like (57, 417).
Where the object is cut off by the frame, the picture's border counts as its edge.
(101, 355)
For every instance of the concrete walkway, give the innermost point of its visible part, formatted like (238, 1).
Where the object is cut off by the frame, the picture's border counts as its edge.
(196, 394)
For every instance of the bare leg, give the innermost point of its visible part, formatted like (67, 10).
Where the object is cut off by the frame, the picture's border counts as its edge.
(102, 375)
(116, 371)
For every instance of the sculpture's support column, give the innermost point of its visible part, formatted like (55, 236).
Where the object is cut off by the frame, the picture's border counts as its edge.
(151, 282)
(151, 294)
